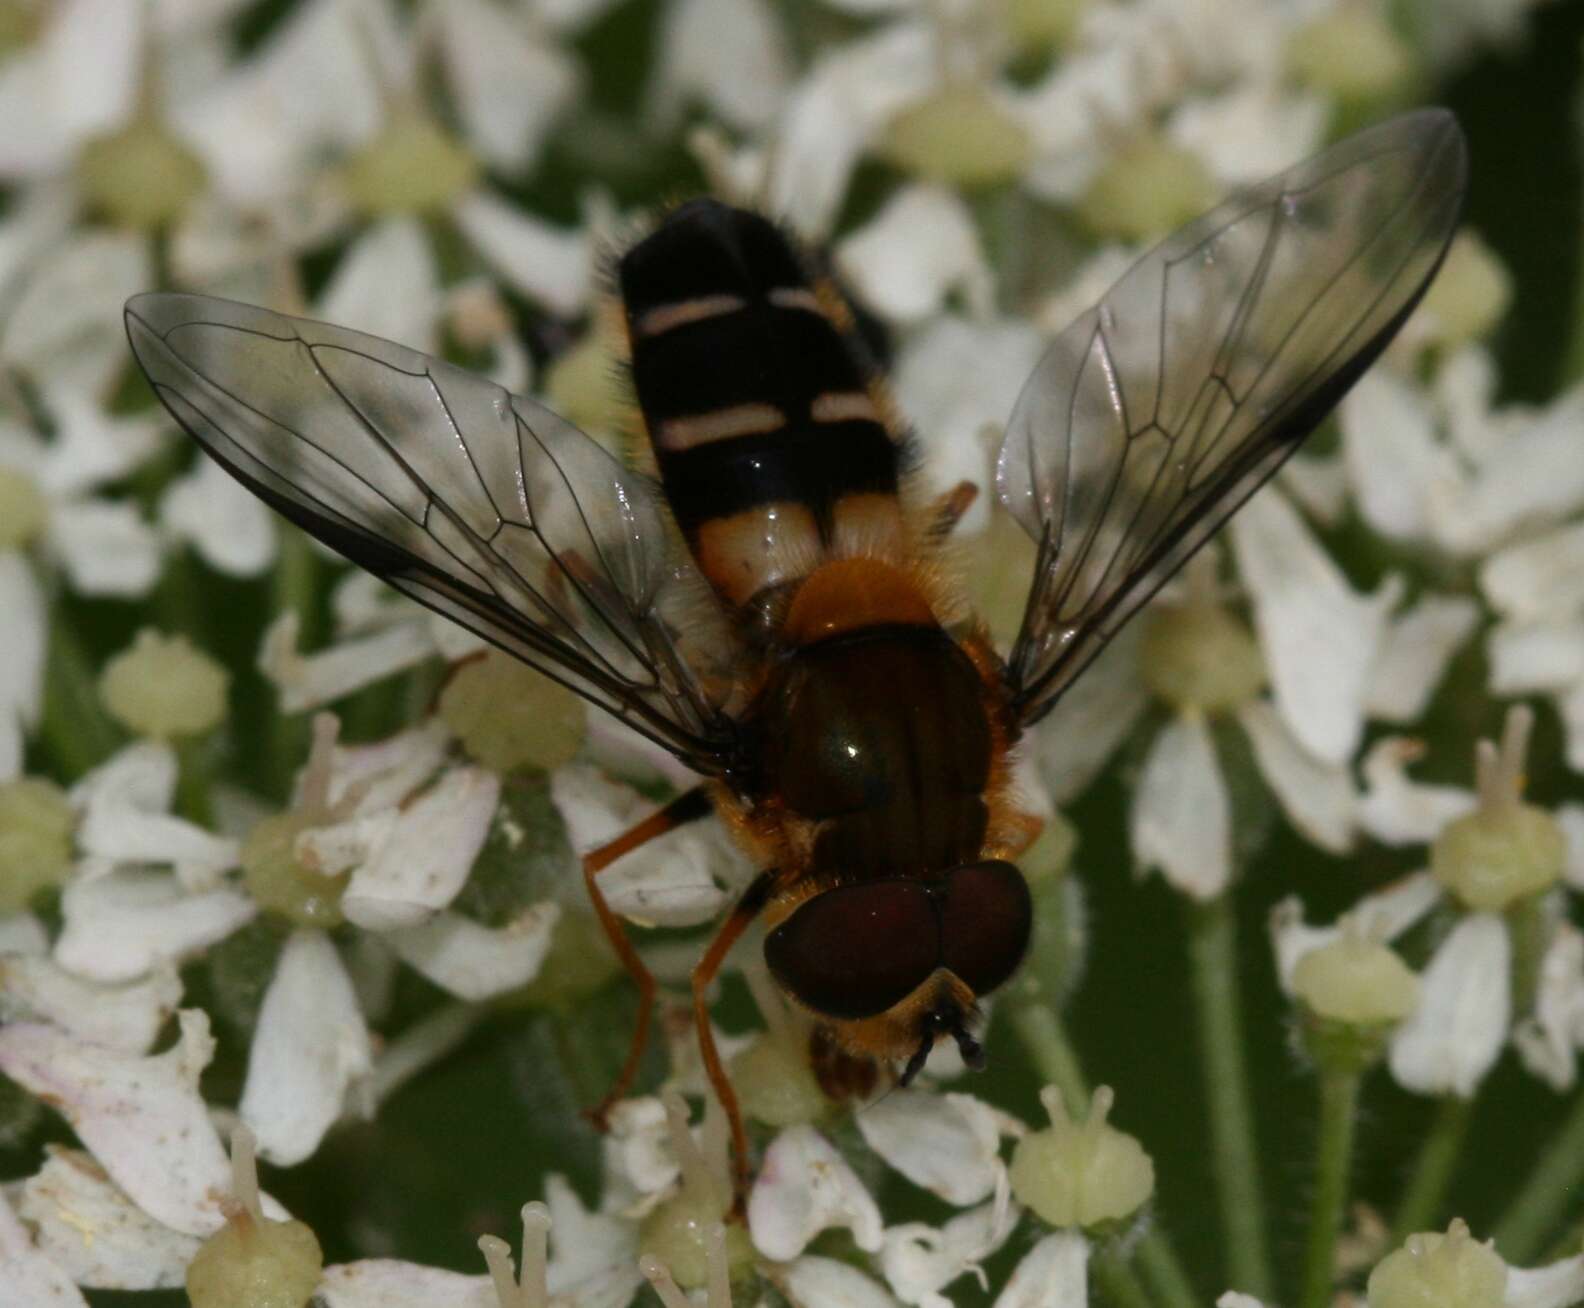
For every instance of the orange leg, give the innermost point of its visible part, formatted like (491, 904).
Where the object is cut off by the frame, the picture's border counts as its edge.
(687, 807)
(947, 511)
(704, 973)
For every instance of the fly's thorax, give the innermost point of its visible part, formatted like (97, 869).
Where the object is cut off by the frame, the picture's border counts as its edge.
(770, 425)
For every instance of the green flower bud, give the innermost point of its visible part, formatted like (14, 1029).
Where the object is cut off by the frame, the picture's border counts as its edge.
(584, 384)
(141, 176)
(1085, 1174)
(1352, 54)
(1470, 293)
(579, 962)
(23, 509)
(1037, 26)
(283, 885)
(1146, 188)
(1492, 858)
(1357, 981)
(1440, 1271)
(508, 716)
(676, 1233)
(20, 22)
(775, 1083)
(960, 136)
(35, 840)
(1199, 656)
(253, 1262)
(163, 686)
(412, 166)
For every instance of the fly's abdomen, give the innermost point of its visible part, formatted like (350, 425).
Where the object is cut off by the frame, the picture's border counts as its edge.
(766, 420)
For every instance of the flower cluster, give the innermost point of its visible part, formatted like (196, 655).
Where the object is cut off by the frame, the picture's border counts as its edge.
(278, 848)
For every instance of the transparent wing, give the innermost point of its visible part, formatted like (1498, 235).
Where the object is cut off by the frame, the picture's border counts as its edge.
(1158, 412)
(480, 504)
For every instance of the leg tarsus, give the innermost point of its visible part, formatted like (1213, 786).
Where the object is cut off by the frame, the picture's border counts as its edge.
(946, 512)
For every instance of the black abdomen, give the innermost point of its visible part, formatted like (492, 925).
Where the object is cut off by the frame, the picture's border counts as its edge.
(758, 399)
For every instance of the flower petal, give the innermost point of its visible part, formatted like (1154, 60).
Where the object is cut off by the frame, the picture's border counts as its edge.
(585, 1245)
(32, 1275)
(907, 259)
(804, 1187)
(1053, 1274)
(142, 1118)
(221, 519)
(122, 925)
(919, 1261)
(89, 1227)
(390, 1283)
(127, 1017)
(730, 54)
(306, 681)
(22, 645)
(669, 881)
(309, 1047)
(1538, 578)
(1526, 657)
(426, 854)
(1451, 1040)
(22, 933)
(1320, 638)
(509, 88)
(1181, 821)
(1398, 810)
(1571, 819)
(1384, 915)
(475, 962)
(1548, 1038)
(106, 548)
(549, 265)
(1090, 721)
(387, 284)
(1392, 454)
(948, 1144)
(830, 1284)
(1417, 646)
(1318, 797)
(1557, 1285)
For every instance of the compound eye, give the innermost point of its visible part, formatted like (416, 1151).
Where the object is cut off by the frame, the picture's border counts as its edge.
(985, 916)
(856, 950)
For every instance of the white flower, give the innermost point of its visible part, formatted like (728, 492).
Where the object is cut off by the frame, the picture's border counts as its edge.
(29, 1271)
(948, 1144)
(914, 253)
(804, 1187)
(919, 1261)
(1053, 1274)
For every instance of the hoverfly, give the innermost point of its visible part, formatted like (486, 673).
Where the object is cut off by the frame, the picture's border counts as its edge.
(770, 608)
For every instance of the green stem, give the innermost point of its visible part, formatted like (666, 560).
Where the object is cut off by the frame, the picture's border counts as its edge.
(1432, 1173)
(1212, 956)
(1044, 1035)
(76, 730)
(1546, 1196)
(195, 767)
(1338, 1113)
(1117, 1281)
(296, 584)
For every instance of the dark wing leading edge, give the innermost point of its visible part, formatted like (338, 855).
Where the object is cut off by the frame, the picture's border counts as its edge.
(1157, 413)
(480, 504)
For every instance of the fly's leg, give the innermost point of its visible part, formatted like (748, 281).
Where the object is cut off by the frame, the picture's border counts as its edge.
(946, 512)
(685, 808)
(748, 907)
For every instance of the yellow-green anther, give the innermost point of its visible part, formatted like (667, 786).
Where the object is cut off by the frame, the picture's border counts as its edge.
(35, 840)
(412, 166)
(23, 509)
(775, 1083)
(1147, 187)
(960, 136)
(1440, 1271)
(1081, 1174)
(1471, 292)
(164, 687)
(279, 881)
(584, 384)
(1351, 53)
(1505, 850)
(508, 716)
(142, 175)
(1197, 655)
(1036, 26)
(1356, 980)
